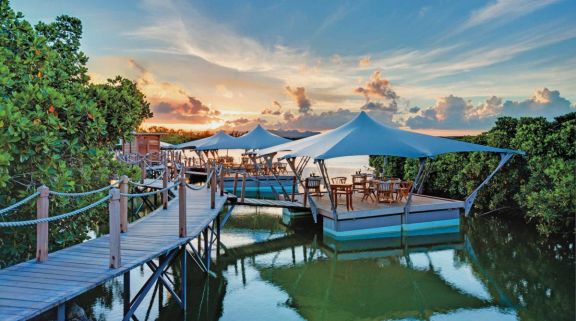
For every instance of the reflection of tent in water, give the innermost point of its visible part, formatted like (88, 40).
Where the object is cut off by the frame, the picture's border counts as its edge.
(372, 289)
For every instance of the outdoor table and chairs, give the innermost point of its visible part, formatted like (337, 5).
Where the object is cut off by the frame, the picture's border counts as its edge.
(340, 188)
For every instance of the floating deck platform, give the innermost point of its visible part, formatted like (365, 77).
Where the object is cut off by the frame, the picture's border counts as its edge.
(369, 219)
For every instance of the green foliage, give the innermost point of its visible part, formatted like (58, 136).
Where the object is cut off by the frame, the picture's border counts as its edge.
(57, 128)
(541, 185)
(177, 136)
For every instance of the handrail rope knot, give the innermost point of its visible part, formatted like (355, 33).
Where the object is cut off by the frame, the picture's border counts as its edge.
(56, 217)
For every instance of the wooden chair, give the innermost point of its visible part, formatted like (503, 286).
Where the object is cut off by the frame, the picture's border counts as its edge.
(338, 180)
(312, 185)
(385, 192)
(358, 183)
(404, 190)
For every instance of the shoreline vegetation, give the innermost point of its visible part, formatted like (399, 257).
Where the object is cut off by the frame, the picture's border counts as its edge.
(59, 129)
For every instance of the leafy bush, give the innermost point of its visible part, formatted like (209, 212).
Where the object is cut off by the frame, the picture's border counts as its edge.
(56, 127)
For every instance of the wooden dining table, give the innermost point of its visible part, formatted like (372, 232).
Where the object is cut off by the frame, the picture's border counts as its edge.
(346, 189)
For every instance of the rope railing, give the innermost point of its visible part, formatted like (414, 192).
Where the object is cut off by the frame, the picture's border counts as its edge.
(4, 211)
(81, 194)
(150, 182)
(117, 208)
(56, 217)
(197, 188)
(148, 193)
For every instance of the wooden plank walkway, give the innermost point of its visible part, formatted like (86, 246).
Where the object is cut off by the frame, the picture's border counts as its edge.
(29, 289)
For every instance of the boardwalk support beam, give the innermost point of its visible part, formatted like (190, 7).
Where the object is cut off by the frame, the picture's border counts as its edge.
(148, 285)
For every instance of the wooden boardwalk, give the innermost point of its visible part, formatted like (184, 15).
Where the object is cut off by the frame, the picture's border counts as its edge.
(29, 289)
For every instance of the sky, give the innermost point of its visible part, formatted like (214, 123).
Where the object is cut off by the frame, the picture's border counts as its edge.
(445, 67)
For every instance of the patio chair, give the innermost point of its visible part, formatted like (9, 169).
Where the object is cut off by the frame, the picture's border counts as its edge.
(358, 183)
(338, 180)
(385, 192)
(404, 190)
(312, 185)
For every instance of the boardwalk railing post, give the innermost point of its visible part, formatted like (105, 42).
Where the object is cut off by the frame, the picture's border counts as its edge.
(142, 170)
(213, 185)
(235, 188)
(124, 204)
(222, 182)
(42, 228)
(114, 213)
(293, 188)
(183, 232)
(243, 189)
(164, 185)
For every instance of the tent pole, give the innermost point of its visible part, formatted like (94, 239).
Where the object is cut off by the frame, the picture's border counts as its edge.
(313, 208)
(269, 160)
(324, 172)
(504, 158)
(414, 186)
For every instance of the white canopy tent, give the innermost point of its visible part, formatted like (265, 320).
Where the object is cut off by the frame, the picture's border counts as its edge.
(365, 136)
(220, 140)
(259, 138)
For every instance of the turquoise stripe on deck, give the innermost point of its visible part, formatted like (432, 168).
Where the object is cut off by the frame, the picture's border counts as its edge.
(423, 228)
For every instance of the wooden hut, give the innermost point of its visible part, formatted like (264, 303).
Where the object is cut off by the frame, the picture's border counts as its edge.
(143, 144)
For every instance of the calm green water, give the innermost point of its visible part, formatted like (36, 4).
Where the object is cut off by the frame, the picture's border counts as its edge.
(494, 270)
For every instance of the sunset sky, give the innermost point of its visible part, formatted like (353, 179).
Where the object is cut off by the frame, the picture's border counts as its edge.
(443, 67)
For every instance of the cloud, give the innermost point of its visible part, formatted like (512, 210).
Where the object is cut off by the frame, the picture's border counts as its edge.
(364, 62)
(193, 111)
(242, 124)
(276, 110)
(414, 109)
(546, 103)
(378, 88)
(454, 112)
(299, 95)
(504, 11)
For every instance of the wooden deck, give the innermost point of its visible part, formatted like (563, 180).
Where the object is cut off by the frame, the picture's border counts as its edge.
(29, 289)
(368, 208)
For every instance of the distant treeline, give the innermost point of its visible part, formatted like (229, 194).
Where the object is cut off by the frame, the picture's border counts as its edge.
(178, 136)
(540, 186)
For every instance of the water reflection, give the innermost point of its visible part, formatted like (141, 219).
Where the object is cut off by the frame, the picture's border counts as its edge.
(494, 270)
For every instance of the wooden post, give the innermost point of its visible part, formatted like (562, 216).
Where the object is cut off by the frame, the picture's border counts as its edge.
(213, 185)
(235, 188)
(124, 204)
(183, 232)
(294, 186)
(222, 182)
(305, 196)
(42, 228)
(114, 213)
(142, 170)
(164, 185)
(243, 189)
